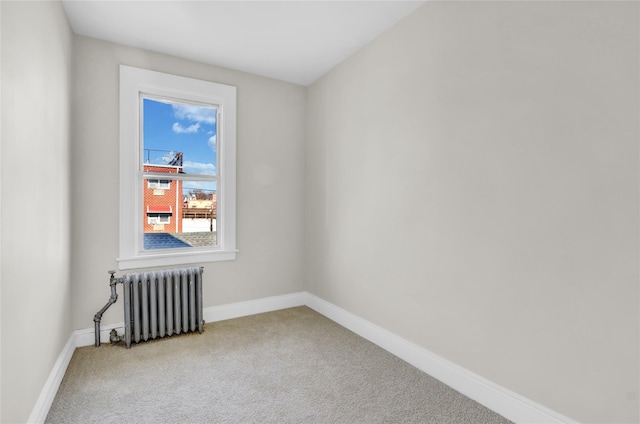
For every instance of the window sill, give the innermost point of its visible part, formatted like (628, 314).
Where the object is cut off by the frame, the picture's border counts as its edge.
(175, 258)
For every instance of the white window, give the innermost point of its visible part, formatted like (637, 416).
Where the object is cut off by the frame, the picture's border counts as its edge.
(159, 184)
(158, 218)
(177, 135)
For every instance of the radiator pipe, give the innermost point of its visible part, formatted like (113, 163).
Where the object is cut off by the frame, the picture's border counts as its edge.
(114, 297)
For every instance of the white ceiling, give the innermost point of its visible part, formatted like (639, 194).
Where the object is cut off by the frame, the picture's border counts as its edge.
(294, 41)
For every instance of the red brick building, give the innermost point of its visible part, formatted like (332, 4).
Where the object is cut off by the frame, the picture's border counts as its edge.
(162, 203)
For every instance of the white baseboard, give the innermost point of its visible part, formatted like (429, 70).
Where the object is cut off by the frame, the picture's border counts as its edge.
(48, 392)
(79, 338)
(252, 307)
(503, 401)
(499, 399)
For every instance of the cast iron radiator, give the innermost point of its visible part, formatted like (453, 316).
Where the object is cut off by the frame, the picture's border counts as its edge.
(162, 303)
(157, 304)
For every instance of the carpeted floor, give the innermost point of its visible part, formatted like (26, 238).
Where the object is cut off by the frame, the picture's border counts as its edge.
(289, 366)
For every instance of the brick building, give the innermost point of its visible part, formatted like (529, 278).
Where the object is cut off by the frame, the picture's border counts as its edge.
(162, 207)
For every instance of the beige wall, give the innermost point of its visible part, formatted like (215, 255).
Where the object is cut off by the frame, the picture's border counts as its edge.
(36, 299)
(270, 197)
(498, 143)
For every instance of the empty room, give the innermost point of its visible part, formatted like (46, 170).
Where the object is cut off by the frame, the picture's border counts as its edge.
(357, 211)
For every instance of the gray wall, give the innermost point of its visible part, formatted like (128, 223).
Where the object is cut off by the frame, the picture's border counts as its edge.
(36, 299)
(498, 144)
(270, 170)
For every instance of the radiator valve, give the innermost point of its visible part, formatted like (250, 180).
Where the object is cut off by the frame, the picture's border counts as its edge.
(113, 336)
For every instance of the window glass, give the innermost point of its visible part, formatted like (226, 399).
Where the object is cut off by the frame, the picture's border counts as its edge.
(179, 140)
(180, 135)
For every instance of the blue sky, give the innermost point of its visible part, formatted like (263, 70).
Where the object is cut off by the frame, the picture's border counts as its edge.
(170, 128)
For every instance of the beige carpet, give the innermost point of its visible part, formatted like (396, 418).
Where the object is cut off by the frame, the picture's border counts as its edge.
(289, 366)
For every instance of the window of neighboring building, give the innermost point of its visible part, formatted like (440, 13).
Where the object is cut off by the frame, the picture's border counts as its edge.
(159, 184)
(158, 218)
(177, 151)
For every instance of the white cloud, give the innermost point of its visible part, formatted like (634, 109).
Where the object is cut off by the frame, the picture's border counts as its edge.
(200, 114)
(179, 129)
(198, 168)
(212, 142)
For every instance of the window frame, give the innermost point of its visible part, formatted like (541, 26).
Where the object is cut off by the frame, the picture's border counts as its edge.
(135, 82)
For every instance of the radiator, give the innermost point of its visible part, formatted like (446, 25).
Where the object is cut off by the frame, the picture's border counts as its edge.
(162, 303)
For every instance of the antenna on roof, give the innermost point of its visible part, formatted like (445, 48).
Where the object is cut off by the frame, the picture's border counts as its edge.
(177, 160)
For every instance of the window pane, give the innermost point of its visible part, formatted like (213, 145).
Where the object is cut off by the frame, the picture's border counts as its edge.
(179, 135)
(182, 216)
